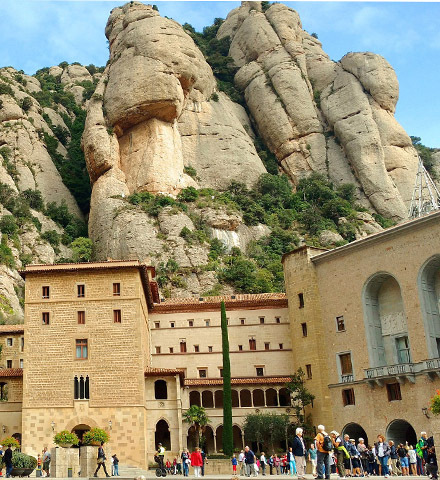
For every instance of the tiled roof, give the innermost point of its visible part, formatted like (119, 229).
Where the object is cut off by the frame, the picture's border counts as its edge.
(232, 302)
(238, 381)
(155, 372)
(11, 329)
(11, 372)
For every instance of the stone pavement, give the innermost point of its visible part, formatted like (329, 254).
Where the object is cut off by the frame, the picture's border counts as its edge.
(151, 474)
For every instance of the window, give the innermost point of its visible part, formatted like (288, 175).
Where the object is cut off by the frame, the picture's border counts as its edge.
(261, 320)
(309, 371)
(437, 340)
(21, 363)
(116, 289)
(277, 319)
(157, 349)
(81, 290)
(196, 348)
(160, 390)
(221, 372)
(46, 292)
(8, 363)
(403, 352)
(172, 324)
(281, 346)
(267, 346)
(171, 350)
(304, 329)
(45, 317)
(252, 344)
(182, 347)
(210, 348)
(117, 317)
(301, 300)
(340, 324)
(4, 391)
(242, 321)
(202, 373)
(81, 388)
(346, 366)
(81, 348)
(9, 342)
(240, 348)
(348, 397)
(156, 324)
(81, 318)
(191, 323)
(260, 371)
(393, 391)
(207, 323)
(22, 344)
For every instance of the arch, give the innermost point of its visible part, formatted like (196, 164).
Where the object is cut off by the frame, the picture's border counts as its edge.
(354, 430)
(400, 431)
(80, 430)
(160, 390)
(162, 434)
(235, 399)
(207, 399)
(194, 398)
(271, 397)
(79, 421)
(237, 437)
(284, 395)
(218, 396)
(245, 398)
(219, 438)
(385, 321)
(429, 292)
(258, 397)
(17, 436)
(207, 442)
(191, 439)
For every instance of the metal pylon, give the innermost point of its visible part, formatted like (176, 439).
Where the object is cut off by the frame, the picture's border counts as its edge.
(425, 197)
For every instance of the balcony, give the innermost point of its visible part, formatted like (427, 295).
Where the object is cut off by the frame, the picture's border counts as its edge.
(404, 371)
(348, 378)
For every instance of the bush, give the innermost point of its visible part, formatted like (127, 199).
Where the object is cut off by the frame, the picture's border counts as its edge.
(34, 198)
(6, 89)
(8, 225)
(95, 435)
(188, 194)
(82, 249)
(10, 442)
(190, 171)
(51, 236)
(26, 104)
(65, 437)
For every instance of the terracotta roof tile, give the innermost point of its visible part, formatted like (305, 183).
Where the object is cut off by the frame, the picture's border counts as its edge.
(238, 381)
(11, 329)
(11, 372)
(154, 372)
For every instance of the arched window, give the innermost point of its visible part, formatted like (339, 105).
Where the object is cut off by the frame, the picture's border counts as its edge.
(81, 388)
(160, 390)
(162, 434)
(218, 397)
(235, 400)
(284, 397)
(3, 392)
(258, 396)
(207, 399)
(385, 322)
(245, 398)
(194, 398)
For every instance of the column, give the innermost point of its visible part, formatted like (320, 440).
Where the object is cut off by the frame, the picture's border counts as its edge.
(278, 396)
(242, 439)
(265, 399)
(215, 441)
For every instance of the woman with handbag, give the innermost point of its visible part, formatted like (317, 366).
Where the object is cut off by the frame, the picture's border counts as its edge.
(101, 460)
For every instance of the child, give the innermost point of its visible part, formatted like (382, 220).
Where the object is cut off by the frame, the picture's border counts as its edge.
(115, 465)
(168, 466)
(234, 464)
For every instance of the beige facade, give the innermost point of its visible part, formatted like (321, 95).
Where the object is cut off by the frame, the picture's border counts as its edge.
(372, 312)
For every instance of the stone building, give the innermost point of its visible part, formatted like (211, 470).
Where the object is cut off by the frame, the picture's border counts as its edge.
(366, 322)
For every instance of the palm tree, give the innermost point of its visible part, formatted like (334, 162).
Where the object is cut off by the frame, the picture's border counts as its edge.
(197, 417)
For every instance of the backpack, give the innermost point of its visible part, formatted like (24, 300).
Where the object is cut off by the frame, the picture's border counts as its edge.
(327, 444)
(419, 449)
(371, 457)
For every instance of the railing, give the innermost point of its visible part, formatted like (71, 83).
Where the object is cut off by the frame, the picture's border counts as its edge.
(432, 364)
(347, 378)
(390, 370)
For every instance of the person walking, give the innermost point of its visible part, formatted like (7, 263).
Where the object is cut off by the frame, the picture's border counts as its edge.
(197, 461)
(312, 458)
(340, 452)
(249, 460)
(241, 463)
(7, 459)
(299, 451)
(234, 464)
(115, 465)
(263, 463)
(101, 461)
(324, 445)
(46, 461)
(383, 454)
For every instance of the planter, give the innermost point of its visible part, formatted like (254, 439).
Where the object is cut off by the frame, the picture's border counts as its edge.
(17, 472)
(27, 472)
(65, 445)
(95, 444)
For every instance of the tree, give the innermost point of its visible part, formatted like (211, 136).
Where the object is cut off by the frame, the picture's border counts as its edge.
(82, 249)
(300, 395)
(26, 104)
(196, 416)
(266, 428)
(228, 442)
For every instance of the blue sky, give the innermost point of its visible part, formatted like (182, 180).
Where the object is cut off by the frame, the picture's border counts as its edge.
(40, 33)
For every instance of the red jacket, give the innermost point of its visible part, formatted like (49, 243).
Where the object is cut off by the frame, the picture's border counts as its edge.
(196, 459)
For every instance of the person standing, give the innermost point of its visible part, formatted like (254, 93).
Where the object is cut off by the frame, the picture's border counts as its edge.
(185, 462)
(412, 454)
(7, 459)
(276, 464)
(431, 463)
(403, 457)
(263, 463)
(100, 460)
(241, 463)
(340, 452)
(395, 470)
(249, 460)
(383, 454)
(234, 464)
(299, 451)
(46, 461)
(363, 450)
(312, 458)
(115, 465)
(160, 455)
(197, 461)
(270, 463)
(202, 470)
(324, 444)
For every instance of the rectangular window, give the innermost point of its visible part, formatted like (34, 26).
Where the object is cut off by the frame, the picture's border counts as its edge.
(156, 324)
(277, 319)
(242, 321)
(309, 371)
(240, 348)
(46, 292)
(267, 346)
(81, 290)
(210, 349)
(438, 346)
(8, 363)
(21, 363)
(340, 324)
(191, 323)
(116, 289)
(393, 391)
(252, 344)
(348, 397)
(22, 343)
(202, 373)
(259, 371)
(221, 372)
(172, 324)
(196, 348)
(117, 317)
(182, 347)
(9, 342)
(346, 366)
(403, 351)
(281, 346)
(45, 318)
(301, 300)
(261, 320)
(171, 350)
(157, 349)
(304, 329)
(207, 323)
(81, 318)
(81, 388)
(81, 348)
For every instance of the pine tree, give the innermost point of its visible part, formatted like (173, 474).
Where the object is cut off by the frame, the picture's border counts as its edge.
(228, 445)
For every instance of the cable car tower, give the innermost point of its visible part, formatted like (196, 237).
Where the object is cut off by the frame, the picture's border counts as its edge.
(426, 196)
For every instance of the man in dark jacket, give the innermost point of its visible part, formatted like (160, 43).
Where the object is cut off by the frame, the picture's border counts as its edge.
(431, 463)
(7, 459)
(299, 451)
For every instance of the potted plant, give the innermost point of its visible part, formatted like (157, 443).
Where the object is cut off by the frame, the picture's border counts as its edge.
(95, 437)
(435, 403)
(65, 439)
(10, 442)
(22, 465)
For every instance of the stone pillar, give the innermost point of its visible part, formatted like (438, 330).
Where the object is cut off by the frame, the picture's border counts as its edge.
(62, 459)
(242, 439)
(88, 464)
(265, 398)
(278, 397)
(215, 442)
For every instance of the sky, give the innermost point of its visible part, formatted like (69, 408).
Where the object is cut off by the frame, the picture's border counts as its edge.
(41, 33)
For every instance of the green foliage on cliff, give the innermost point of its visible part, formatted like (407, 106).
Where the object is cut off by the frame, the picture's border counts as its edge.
(425, 154)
